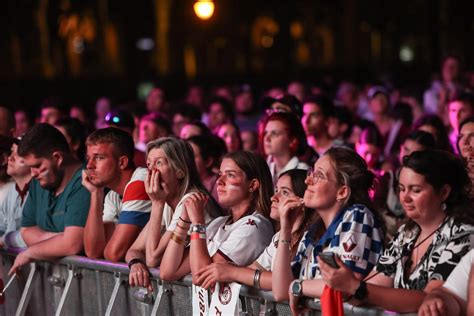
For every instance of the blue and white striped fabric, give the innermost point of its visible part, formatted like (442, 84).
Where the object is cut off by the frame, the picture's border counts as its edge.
(354, 235)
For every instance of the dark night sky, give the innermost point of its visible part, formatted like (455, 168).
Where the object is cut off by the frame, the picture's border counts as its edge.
(224, 48)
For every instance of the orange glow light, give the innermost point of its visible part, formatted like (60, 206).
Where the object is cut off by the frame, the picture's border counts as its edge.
(204, 9)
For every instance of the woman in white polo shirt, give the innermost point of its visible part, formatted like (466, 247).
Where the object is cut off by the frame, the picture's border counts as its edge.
(244, 188)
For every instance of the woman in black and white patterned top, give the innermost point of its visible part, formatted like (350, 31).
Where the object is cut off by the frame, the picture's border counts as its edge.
(434, 194)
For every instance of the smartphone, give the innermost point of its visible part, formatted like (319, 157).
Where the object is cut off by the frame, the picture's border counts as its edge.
(328, 258)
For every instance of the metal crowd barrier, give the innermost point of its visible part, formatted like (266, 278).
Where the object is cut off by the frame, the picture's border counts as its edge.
(81, 286)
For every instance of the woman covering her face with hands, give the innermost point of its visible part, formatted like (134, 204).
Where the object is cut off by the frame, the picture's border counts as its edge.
(434, 194)
(338, 191)
(244, 188)
(172, 179)
(288, 197)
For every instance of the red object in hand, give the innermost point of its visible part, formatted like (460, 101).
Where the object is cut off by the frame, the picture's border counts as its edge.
(331, 302)
(2, 296)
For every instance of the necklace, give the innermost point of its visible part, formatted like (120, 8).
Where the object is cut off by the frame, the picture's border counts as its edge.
(409, 262)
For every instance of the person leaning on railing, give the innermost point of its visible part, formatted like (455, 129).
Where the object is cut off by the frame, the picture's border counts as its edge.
(338, 191)
(288, 196)
(244, 187)
(456, 296)
(434, 194)
(172, 179)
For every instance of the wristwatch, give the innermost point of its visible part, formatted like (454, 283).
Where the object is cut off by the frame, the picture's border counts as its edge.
(297, 287)
(361, 292)
(198, 228)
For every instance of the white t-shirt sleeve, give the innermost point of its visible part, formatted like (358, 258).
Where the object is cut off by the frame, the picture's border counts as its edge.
(266, 259)
(112, 207)
(176, 214)
(457, 281)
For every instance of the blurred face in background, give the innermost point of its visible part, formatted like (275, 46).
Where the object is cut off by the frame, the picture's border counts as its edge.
(22, 123)
(155, 100)
(179, 121)
(275, 139)
(50, 115)
(78, 113)
(244, 103)
(297, 89)
(466, 141)
(249, 140)
(313, 119)
(148, 131)
(370, 153)
(217, 115)
(230, 135)
(189, 130)
(379, 104)
(450, 69)
(458, 112)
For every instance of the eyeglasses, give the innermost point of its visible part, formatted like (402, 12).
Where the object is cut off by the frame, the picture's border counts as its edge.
(317, 176)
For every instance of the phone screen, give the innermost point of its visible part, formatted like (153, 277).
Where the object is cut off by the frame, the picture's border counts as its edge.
(328, 257)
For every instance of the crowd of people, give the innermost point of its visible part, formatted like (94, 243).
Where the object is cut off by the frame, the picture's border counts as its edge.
(231, 189)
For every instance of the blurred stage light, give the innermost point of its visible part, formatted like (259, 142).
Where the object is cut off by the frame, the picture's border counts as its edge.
(145, 43)
(204, 9)
(78, 44)
(406, 54)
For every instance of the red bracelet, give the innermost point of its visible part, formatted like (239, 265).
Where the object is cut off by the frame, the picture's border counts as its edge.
(198, 236)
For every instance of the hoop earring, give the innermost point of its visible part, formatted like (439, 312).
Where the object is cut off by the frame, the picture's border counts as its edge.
(443, 206)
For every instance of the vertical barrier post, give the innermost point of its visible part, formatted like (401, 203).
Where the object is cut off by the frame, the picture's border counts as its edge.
(164, 292)
(25, 296)
(268, 308)
(70, 275)
(118, 283)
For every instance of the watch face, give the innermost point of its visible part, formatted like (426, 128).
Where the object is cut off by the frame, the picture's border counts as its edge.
(296, 288)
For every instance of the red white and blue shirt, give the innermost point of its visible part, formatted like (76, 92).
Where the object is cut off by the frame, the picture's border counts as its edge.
(135, 205)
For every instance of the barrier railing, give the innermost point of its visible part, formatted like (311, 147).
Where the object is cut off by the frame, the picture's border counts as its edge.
(81, 286)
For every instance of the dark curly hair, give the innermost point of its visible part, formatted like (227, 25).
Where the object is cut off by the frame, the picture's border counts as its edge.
(440, 168)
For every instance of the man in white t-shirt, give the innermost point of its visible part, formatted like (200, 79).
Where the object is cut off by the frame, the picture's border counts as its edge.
(115, 219)
(11, 206)
(456, 297)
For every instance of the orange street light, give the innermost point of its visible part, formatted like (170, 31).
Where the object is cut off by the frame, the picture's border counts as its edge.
(204, 9)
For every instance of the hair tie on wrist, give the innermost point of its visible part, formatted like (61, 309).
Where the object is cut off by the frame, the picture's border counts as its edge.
(187, 222)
